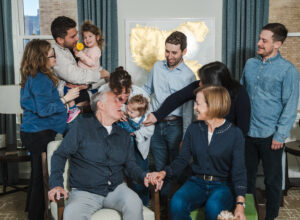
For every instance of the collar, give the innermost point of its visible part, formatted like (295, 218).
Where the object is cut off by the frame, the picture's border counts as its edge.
(179, 67)
(269, 60)
(63, 48)
(98, 124)
(224, 127)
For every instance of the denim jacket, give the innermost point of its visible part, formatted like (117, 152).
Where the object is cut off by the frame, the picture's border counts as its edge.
(273, 90)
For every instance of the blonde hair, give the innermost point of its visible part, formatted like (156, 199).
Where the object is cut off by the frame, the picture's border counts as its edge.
(141, 102)
(35, 58)
(89, 26)
(217, 99)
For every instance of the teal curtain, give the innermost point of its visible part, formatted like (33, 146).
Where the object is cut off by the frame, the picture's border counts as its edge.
(7, 122)
(103, 13)
(242, 23)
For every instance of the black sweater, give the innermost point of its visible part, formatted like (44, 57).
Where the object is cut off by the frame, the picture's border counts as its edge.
(239, 113)
(224, 157)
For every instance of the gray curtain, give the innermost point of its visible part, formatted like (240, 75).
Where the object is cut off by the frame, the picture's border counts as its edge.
(103, 13)
(7, 122)
(242, 23)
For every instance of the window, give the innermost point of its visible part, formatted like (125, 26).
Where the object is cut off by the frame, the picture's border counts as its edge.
(26, 26)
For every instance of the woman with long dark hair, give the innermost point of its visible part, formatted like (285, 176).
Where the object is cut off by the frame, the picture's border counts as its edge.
(215, 73)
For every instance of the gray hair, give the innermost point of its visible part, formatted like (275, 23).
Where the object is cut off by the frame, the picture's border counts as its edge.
(97, 97)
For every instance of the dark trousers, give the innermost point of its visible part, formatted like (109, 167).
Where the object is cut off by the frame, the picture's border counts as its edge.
(36, 143)
(260, 148)
(140, 188)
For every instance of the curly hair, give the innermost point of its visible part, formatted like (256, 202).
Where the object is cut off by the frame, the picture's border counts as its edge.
(141, 102)
(89, 26)
(35, 58)
(120, 79)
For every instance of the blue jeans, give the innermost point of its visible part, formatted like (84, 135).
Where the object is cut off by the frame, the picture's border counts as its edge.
(165, 142)
(195, 193)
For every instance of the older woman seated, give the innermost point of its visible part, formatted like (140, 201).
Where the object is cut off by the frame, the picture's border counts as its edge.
(217, 149)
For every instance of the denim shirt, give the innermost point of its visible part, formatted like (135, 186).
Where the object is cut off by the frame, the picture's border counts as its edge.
(97, 159)
(273, 90)
(42, 107)
(162, 82)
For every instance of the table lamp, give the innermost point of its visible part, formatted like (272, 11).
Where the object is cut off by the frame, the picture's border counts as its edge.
(9, 104)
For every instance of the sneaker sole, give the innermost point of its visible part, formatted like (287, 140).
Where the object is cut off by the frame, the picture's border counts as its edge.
(68, 122)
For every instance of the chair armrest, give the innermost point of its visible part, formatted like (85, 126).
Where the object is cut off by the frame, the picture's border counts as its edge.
(155, 205)
(60, 207)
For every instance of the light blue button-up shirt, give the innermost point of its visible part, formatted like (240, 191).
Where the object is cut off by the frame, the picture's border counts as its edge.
(162, 82)
(273, 90)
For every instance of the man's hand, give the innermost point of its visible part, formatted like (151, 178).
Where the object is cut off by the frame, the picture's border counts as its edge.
(104, 74)
(276, 145)
(151, 119)
(83, 86)
(57, 191)
(239, 212)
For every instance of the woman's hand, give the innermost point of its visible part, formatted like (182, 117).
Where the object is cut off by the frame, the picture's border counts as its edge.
(71, 94)
(151, 119)
(123, 116)
(239, 212)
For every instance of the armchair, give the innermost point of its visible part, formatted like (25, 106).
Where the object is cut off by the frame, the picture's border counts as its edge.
(108, 214)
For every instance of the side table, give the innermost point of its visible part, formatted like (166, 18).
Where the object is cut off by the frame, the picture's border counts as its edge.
(8, 155)
(294, 149)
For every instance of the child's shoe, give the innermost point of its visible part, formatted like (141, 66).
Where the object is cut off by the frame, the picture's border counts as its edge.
(73, 113)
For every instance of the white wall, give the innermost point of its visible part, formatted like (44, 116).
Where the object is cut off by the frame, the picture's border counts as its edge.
(169, 9)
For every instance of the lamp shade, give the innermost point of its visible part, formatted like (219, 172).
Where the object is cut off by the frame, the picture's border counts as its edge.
(10, 99)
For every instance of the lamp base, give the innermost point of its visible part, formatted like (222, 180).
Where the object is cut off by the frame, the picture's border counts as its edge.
(2, 141)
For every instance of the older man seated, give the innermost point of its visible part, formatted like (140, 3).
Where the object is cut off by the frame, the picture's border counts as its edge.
(98, 151)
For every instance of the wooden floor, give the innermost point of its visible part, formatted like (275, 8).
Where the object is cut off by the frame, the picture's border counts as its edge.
(12, 206)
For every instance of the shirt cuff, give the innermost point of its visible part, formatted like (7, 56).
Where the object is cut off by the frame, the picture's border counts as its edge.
(279, 137)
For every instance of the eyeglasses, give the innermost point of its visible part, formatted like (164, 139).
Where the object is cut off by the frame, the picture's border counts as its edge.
(54, 55)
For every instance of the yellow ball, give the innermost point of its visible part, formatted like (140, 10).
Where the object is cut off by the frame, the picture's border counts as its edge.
(79, 46)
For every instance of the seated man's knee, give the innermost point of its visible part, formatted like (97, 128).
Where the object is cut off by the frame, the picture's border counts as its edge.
(75, 209)
(132, 204)
(178, 204)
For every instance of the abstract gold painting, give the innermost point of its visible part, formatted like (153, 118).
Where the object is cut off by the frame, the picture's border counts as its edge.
(145, 43)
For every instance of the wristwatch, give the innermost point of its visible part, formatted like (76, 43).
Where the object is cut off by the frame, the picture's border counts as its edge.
(241, 203)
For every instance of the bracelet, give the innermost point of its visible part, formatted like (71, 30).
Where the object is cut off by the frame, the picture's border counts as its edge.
(64, 100)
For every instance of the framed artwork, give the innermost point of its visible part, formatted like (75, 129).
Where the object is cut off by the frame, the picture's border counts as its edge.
(145, 43)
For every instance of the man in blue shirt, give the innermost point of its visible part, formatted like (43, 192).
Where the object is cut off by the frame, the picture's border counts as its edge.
(272, 84)
(98, 150)
(165, 78)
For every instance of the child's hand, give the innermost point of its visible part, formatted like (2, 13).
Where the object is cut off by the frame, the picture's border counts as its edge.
(76, 52)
